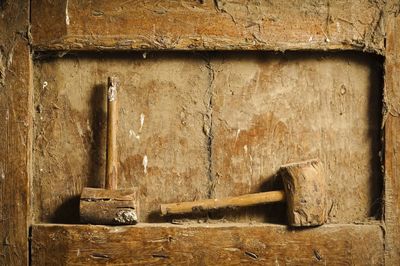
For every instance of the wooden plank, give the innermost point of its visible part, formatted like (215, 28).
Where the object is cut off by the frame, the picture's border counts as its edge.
(392, 139)
(218, 24)
(229, 244)
(269, 110)
(15, 131)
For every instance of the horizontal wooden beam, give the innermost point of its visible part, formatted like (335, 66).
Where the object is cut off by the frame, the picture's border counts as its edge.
(207, 25)
(206, 244)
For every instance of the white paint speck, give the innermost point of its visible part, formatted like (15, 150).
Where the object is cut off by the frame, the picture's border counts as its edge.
(237, 134)
(88, 126)
(67, 21)
(310, 39)
(44, 85)
(78, 252)
(276, 261)
(79, 128)
(141, 121)
(2, 174)
(338, 26)
(144, 55)
(245, 148)
(132, 134)
(117, 229)
(112, 92)
(145, 162)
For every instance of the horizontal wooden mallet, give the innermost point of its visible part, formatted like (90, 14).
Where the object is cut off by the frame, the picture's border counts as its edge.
(304, 192)
(110, 206)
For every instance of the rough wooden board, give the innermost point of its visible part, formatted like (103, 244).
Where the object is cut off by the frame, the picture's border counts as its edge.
(230, 244)
(162, 105)
(218, 24)
(392, 197)
(268, 110)
(15, 131)
(392, 140)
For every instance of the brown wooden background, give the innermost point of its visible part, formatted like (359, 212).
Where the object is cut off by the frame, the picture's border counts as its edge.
(216, 123)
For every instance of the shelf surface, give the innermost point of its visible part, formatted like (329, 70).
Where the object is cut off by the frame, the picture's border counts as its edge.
(206, 244)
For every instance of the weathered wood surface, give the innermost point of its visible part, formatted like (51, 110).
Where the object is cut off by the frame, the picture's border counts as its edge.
(268, 110)
(305, 188)
(111, 178)
(229, 244)
(207, 24)
(108, 207)
(230, 202)
(15, 131)
(162, 111)
(392, 137)
(213, 127)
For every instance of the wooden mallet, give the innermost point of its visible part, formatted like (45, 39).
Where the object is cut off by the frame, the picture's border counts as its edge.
(110, 206)
(304, 192)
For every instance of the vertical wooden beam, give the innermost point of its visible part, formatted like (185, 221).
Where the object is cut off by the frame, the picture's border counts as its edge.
(392, 137)
(15, 131)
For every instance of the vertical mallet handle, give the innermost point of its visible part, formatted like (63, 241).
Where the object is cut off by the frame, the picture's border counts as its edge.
(111, 149)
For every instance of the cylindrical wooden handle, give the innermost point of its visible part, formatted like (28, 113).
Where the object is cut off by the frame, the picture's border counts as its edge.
(209, 204)
(111, 150)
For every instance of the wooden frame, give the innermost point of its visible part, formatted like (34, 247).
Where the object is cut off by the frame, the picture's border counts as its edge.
(65, 25)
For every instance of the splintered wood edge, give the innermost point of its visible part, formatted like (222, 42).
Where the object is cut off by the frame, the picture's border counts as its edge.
(207, 243)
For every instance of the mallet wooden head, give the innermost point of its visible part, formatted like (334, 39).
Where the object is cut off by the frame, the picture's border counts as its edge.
(305, 190)
(305, 194)
(109, 205)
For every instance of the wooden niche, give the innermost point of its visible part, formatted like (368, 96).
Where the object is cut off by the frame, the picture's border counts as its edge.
(210, 124)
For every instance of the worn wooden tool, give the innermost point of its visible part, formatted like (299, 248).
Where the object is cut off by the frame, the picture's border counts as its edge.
(305, 194)
(110, 206)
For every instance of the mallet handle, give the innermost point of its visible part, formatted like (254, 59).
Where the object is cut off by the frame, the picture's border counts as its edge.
(210, 204)
(111, 149)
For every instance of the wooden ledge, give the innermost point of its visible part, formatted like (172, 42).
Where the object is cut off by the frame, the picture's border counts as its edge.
(206, 244)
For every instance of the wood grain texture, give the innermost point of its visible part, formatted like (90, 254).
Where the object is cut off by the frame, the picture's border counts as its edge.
(230, 202)
(162, 109)
(207, 25)
(213, 127)
(392, 139)
(111, 181)
(15, 131)
(269, 110)
(108, 207)
(229, 244)
(305, 188)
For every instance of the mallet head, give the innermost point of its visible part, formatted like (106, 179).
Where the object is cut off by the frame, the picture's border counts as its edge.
(305, 189)
(108, 207)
